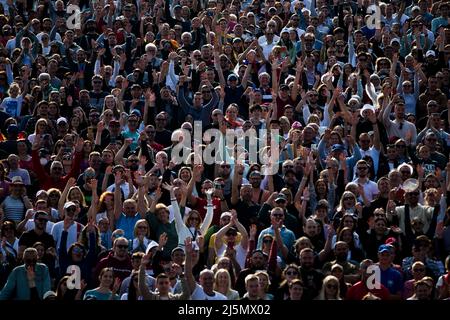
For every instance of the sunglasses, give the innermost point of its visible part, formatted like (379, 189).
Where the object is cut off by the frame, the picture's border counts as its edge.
(332, 286)
(194, 218)
(122, 246)
(77, 250)
(267, 241)
(419, 270)
(292, 273)
(278, 215)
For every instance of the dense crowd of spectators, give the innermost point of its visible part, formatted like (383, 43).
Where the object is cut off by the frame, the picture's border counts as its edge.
(105, 112)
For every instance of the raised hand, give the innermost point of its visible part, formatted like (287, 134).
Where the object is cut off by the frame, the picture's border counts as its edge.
(188, 246)
(253, 231)
(163, 240)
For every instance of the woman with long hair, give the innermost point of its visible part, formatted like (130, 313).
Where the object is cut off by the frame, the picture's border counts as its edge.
(133, 293)
(104, 291)
(264, 285)
(222, 284)
(41, 127)
(289, 274)
(105, 207)
(330, 289)
(66, 294)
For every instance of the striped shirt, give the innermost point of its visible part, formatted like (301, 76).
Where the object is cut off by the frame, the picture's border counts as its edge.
(14, 208)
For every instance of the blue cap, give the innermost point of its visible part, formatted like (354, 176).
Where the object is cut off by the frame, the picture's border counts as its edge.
(384, 248)
(337, 147)
(136, 112)
(232, 77)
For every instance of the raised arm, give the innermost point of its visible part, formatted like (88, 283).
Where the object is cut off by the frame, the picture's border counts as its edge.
(117, 196)
(209, 212)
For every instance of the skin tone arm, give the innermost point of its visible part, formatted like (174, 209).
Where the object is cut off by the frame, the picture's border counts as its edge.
(70, 183)
(237, 178)
(188, 265)
(298, 75)
(219, 69)
(241, 229)
(117, 196)
(284, 250)
(118, 159)
(196, 174)
(142, 283)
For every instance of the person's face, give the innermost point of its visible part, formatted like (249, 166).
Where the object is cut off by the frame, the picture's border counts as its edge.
(384, 257)
(178, 257)
(129, 209)
(207, 281)
(291, 274)
(77, 254)
(423, 292)
(307, 260)
(257, 260)
(310, 228)
(263, 281)
(252, 288)
(277, 217)
(222, 279)
(412, 197)
(331, 288)
(296, 292)
(40, 223)
(121, 248)
(30, 259)
(106, 280)
(103, 226)
(341, 251)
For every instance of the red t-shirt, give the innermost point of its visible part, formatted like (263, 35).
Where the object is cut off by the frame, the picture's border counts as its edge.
(200, 207)
(359, 290)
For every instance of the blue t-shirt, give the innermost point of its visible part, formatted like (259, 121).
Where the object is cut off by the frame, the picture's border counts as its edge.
(127, 224)
(392, 280)
(96, 295)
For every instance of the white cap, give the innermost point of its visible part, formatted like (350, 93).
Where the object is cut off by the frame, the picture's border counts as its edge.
(430, 53)
(395, 40)
(151, 245)
(61, 119)
(367, 107)
(69, 204)
(415, 8)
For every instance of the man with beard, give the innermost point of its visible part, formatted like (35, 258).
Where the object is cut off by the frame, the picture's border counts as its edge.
(241, 200)
(259, 195)
(312, 278)
(55, 179)
(83, 68)
(89, 34)
(90, 132)
(351, 274)
(399, 127)
(167, 102)
(258, 261)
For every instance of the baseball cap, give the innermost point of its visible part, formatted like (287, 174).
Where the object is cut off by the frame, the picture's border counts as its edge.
(41, 214)
(367, 107)
(430, 53)
(225, 214)
(281, 197)
(284, 87)
(232, 77)
(69, 204)
(337, 147)
(384, 248)
(395, 40)
(61, 119)
(48, 295)
(151, 245)
(40, 192)
(17, 180)
(136, 112)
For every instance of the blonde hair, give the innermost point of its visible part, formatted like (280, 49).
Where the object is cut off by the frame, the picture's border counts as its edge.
(216, 279)
(327, 280)
(139, 222)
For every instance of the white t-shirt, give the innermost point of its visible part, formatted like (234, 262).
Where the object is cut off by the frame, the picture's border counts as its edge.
(124, 186)
(30, 226)
(241, 253)
(72, 237)
(199, 294)
(370, 189)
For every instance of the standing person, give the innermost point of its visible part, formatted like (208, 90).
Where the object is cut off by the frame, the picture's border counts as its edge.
(311, 278)
(390, 278)
(118, 260)
(162, 282)
(360, 289)
(68, 224)
(29, 281)
(204, 290)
